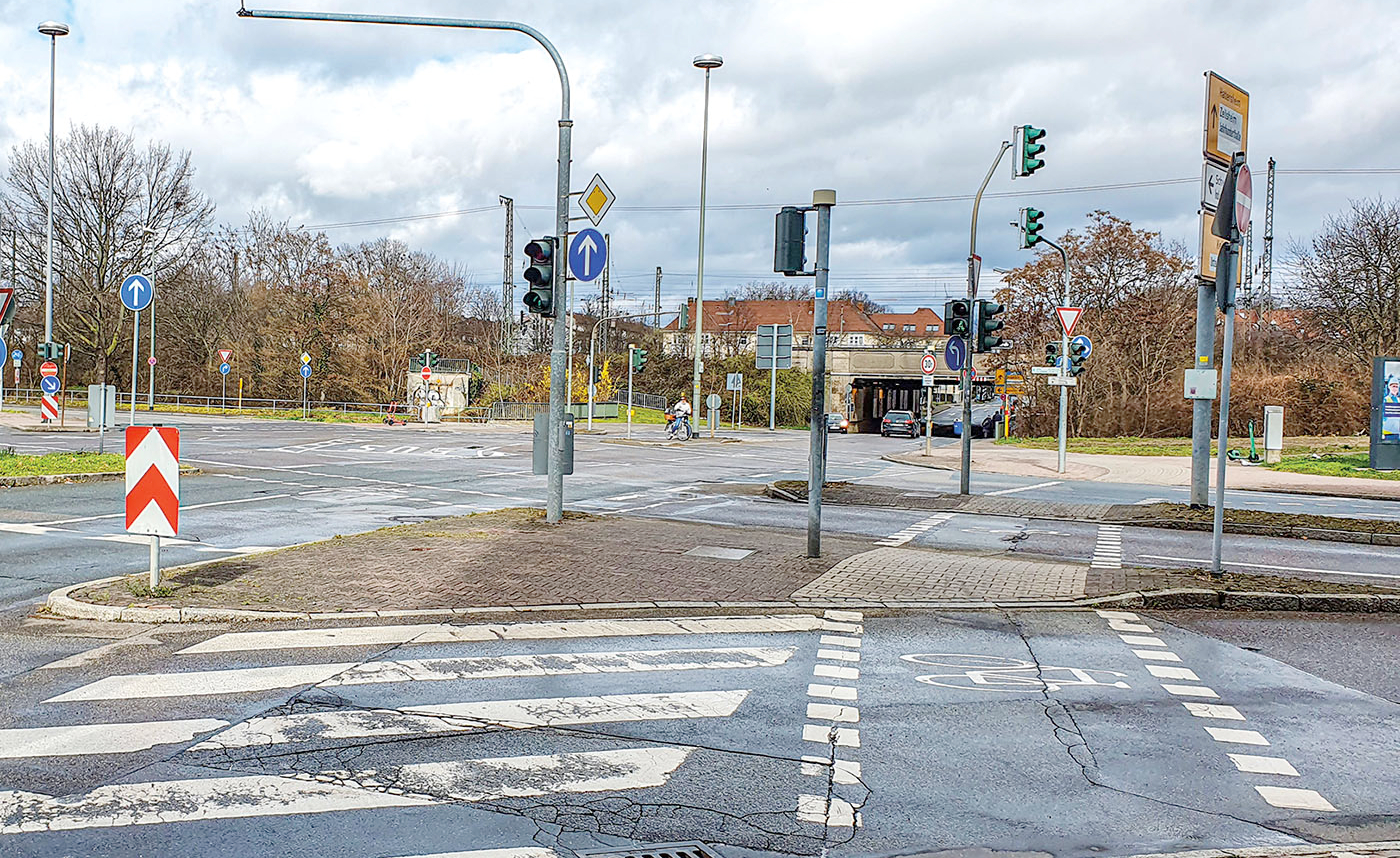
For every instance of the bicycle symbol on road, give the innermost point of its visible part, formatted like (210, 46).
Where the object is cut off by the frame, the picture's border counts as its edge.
(995, 673)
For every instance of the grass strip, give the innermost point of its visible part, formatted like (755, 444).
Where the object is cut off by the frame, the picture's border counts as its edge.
(49, 464)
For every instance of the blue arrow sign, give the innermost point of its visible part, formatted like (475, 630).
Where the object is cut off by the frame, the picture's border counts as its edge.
(224, 368)
(588, 253)
(137, 292)
(4, 348)
(17, 354)
(955, 353)
(49, 384)
(1085, 342)
(305, 370)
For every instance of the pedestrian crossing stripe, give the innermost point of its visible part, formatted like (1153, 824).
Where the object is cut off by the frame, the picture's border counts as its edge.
(82, 739)
(251, 679)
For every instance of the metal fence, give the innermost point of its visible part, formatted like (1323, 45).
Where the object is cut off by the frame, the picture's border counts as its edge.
(77, 398)
(641, 400)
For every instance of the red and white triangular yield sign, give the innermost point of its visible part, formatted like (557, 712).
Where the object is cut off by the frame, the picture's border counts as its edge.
(153, 480)
(1069, 317)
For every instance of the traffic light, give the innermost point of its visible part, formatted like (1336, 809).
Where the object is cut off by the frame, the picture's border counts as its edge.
(1027, 149)
(539, 273)
(789, 238)
(597, 374)
(639, 359)
(1052, 353)
(1030, 227)
(1077, 354)
(957, 318)
(988, 325)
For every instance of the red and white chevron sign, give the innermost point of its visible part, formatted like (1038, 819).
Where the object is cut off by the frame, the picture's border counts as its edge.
(153, 480)
(48, 407)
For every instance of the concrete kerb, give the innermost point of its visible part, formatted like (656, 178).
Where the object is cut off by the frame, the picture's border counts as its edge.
(101, 477)
(1306, 850)
(64, 605)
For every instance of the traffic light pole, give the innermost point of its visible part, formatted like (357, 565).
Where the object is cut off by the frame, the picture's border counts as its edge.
(554, 504)
(1064, 357)
(630, 366)
(823, 200)
(964, 483)
(1225, 280)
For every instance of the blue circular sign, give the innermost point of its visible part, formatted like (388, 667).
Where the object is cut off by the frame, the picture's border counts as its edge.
(955, 353)
(1085, 342)
(17, 354)
(224, 368)
(49, 384)
(588, 253)
(137, 292)
(305, 370)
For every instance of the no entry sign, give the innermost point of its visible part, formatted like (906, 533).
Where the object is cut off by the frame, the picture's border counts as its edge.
(48, 367)
(427, 373)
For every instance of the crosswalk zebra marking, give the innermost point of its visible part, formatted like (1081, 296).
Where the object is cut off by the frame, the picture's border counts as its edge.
(250, 679)
(506, 777)
(425, 633)
(83, 739)
(450, 717)
(523, 852)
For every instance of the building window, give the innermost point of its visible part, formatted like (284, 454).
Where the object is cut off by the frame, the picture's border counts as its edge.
(806, 341)
(743, 341)
(930, 329)
(908, 329)
(889, 326)
(857, 339)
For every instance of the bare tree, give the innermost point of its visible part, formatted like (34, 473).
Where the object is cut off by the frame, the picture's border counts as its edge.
(1349, 278)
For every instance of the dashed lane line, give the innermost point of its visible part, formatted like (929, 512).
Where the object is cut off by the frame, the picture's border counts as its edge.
(829, 724)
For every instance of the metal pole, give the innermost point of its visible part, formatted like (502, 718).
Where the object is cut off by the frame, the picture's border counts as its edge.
(631, 362)
(102, 421)
(964, 482)
(773, 385)
(700, 266)
(1201, 408)
(155, 562)
(928, 420)
(823, 200)
(151, 382)
(223, 398)
(135, 344)
(1064, 358)
(739, 412)
(48, 257)
(1223, 271)
(554, 505)
(591, 339)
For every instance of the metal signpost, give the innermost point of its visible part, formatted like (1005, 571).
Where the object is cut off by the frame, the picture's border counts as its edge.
(631, 367)
(1069, 317)
(774, 352)
(822, 200)
(153, 487)
(1225, 131)
(1231, 220)
(225, 355)
(305, 374)
(554, 504)
(136, 296)
(734, 382)
(17, 357)
(928, 364)
(3, 349)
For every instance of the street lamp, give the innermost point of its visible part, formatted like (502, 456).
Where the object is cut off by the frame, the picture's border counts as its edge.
(52, 29)
(706, 62)
(146, 233)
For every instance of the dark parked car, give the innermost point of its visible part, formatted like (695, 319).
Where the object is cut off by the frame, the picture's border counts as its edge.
(899, 423)
(837, 422)
(984, 419)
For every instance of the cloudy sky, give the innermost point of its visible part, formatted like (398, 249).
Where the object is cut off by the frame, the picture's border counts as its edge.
(900, 107)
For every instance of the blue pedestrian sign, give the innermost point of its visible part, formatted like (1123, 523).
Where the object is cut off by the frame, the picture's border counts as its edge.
(136, 292)
(1084, 341)
(955, 353)
(49, 384)
(305, 370)
(17, 354)
(588, 253)
(224, 368)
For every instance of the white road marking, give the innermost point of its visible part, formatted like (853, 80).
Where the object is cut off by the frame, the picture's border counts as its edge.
(1156, 655)
(1190, 690)
(449, 717)
(150, 803)
(444, 633)
(915, 529)
(838, 654)
(841, 771)
(840, 640)
(832, 712)
(1242, 737)
(1025, 488)
(202, 682)
(80, 739)
(1140, 640)
(1129, 626)
(1117, 615)
(832, 671)
(846, 737)
(1291, 797)
(835, 692)
(1273, 566)
(843, 616)
(845, 628)
(1108, 554)
(183, 507)
(505, 777)
(1164, 672)
(1213, 710)
(814, 808)
(1263, 765)
(523, 852)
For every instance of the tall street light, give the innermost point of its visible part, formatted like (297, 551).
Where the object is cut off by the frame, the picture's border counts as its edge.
(52, 29)
(706, 62)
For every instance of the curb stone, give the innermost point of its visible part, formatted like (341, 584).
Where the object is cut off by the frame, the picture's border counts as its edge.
(60, 603)
(1306, 850)
(99, 477)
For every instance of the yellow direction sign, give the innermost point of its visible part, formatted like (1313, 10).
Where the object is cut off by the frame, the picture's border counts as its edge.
(1227, 119)
(597, 199)
(1210, 251)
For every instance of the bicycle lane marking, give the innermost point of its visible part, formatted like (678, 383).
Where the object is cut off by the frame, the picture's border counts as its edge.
(1296, 798)
(832, 716)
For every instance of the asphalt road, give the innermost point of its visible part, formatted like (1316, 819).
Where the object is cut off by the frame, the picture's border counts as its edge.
(1069, 733)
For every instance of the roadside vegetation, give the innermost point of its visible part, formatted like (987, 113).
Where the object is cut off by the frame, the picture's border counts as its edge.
(19, 465)
(1335, 465)
(1294, 447)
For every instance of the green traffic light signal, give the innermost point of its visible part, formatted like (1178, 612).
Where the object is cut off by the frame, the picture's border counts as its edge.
(1077, 354)
(639, 359)
(1027, 149)
(1052, 354)
(988, 325)
(1031, 226)
(957, 318)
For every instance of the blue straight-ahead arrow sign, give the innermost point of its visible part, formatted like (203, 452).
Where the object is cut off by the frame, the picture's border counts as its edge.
(136, 292)
(588, 253)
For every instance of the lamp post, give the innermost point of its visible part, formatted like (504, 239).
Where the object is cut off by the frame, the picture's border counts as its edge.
(52, 29)
(706, 62)
(146, 233)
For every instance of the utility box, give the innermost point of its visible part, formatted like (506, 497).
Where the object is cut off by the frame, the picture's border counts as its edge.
(1273, 433)
(102, 406)
(539, 451)
(1201, 384)
(431, 413)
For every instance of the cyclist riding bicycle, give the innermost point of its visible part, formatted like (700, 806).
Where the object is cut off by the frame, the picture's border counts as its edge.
(678, 413)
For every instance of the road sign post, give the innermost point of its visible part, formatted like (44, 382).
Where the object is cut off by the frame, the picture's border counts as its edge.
(1226, 222)
(773, 352)
(153, 487)
(136, 294)
(631, 366)
(823, 200)
(928, 364)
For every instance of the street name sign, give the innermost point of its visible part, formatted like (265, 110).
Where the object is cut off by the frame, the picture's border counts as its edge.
(136, 292)
(1063, 380)
(588, 254)
(597, 198)
(153, 480)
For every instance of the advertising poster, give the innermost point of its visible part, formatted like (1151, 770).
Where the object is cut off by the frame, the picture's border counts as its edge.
(1390, 403)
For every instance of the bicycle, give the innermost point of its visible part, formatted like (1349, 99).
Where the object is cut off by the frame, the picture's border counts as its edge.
(678, 429)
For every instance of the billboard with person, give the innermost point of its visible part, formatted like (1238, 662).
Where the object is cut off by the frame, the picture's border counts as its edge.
(1385, 413)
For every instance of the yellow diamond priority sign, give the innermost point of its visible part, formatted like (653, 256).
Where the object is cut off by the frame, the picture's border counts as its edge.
(597, 199)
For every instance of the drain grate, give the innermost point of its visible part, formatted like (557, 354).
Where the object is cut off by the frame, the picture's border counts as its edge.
(691, 849)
